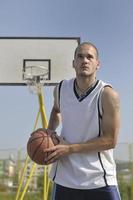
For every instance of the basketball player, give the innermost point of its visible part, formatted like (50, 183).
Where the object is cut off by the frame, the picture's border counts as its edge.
(90, 113)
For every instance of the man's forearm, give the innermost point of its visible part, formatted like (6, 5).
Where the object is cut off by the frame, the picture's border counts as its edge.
(94, 145)
(54, 120)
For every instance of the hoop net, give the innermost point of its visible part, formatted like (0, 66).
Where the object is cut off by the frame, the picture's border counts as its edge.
(35, 77)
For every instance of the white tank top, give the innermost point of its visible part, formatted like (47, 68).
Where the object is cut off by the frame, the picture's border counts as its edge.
(81, 122)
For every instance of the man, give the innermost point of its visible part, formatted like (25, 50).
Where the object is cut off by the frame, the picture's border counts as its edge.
(84, 167)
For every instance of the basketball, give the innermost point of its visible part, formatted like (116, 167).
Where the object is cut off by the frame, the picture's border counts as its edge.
(40, 140)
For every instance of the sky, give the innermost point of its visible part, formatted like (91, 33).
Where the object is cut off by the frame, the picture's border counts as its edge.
(107, 24)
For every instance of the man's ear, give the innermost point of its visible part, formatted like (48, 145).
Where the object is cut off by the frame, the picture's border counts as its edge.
(98, 64)
(73, 64)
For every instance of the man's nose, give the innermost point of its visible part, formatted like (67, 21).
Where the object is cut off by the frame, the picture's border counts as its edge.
(85, 60)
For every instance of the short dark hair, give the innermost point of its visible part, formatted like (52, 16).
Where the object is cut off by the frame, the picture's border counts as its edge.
(89, 44)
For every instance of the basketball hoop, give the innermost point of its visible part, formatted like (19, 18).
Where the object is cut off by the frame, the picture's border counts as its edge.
(35, 77)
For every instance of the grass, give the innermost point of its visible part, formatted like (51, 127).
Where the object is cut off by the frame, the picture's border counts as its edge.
(11, 196)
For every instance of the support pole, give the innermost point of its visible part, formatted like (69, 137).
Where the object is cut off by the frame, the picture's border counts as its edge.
(42, 111)
(22, 177)
(25, 169)
(45, 125)
(28, 181)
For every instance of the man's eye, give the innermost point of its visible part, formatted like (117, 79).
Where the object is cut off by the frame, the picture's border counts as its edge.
(89, 56)
(80, 56)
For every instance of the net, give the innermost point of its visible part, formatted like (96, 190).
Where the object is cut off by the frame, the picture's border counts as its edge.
(35, 77)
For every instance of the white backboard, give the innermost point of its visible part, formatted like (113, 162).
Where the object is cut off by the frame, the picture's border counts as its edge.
(55, 53)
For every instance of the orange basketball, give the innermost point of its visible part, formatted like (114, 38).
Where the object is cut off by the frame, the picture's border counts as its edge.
(40, 140)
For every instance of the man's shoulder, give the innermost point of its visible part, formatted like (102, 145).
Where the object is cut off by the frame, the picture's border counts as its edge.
(64, 82)
(108, 91)
(104, 83)
(67, 82)
(110, 95)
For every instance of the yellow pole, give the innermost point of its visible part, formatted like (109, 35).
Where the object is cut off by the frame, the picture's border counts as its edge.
(37, 118)
(42, 111)
(22, 177)
(48, 186)
(28, 181)
(45, 125)
(26, 164)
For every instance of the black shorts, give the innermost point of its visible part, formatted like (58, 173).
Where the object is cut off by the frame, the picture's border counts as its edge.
(103, 193)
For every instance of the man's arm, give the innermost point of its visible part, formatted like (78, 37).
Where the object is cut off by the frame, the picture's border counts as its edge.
(110, 128)
(55, 116)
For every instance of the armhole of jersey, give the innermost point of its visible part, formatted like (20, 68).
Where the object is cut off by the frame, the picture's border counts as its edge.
(100, 132)
(100, 110)
(59, 91)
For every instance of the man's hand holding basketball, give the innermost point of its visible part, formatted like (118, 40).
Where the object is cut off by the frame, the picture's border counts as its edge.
(56, 152)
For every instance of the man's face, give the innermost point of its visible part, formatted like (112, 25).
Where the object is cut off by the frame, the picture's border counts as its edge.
(86, 62)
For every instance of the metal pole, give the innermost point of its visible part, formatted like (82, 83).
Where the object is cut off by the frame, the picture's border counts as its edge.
(45, 125)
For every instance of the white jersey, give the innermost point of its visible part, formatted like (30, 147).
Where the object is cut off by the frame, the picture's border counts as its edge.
(81, 119)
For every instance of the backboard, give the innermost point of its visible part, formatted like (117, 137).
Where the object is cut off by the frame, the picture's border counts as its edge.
(55, 54)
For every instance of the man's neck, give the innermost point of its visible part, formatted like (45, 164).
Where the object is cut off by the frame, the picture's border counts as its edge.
(85, 83)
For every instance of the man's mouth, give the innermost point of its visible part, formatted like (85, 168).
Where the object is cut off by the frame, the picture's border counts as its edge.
(84, 68)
